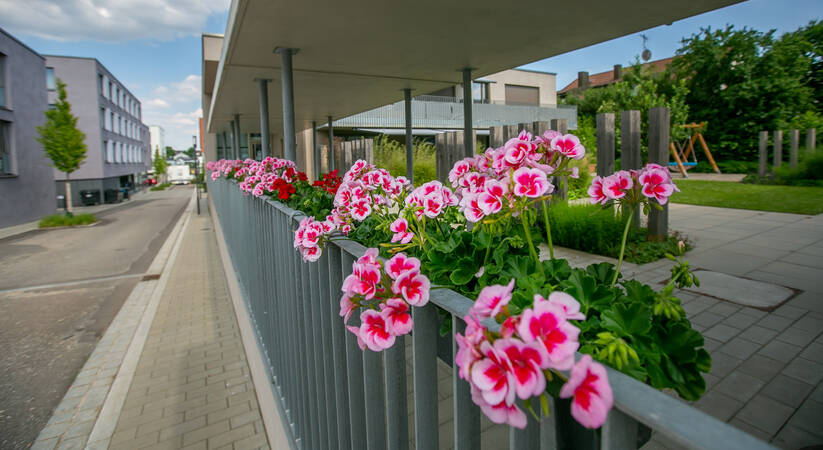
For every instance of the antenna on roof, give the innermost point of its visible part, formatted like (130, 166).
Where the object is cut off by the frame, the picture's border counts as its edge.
(646, 54)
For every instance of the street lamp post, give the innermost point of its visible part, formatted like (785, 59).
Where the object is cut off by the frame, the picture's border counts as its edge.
(196, 173)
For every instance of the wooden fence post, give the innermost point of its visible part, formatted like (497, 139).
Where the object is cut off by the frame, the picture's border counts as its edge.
(764, 154)
(526, 127)
(540, 127)
(811, 140)
(510, 131)
(605, 144)
(369, 150)
(794, 142)
(659, 124)
(778, 148)
(561, 185)
(630, 148)
(561, 125)
(324, 159)
(496, 137)
(439, 154)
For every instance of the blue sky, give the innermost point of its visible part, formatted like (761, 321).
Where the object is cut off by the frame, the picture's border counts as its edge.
(153, 46)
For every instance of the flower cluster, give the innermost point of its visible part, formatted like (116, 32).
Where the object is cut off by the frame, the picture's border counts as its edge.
(430, 200)
(515, 362)
(271, 176)
(512, 177)
(387, 291)
(633, 186)
(329, 183)
(365, 190)
(310, 236)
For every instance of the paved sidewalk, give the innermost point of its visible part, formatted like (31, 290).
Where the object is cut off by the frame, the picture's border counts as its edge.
(767, 365)
(191, 388)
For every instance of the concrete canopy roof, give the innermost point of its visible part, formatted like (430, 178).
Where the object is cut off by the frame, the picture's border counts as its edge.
(356, 55)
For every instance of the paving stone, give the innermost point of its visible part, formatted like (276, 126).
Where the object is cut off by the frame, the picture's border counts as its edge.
(721, 332)
(719, 405)
(710, 344)
(808, 416)
(797, 438)
(707, 319)
(740, 348)
(740, 320)
(788, 390)
(808, 323)
(765, 414)
(758, 334)
(775, 322)
(789, 311)
(797, 336)
(752, 430)
(813, 352)
(739, 386)
(723, 364)
(206, 432)
(780, 351)
(235, 434)
(805, 370)
(724, 309)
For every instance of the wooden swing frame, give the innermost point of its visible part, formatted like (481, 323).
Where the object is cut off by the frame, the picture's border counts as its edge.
(679, 155)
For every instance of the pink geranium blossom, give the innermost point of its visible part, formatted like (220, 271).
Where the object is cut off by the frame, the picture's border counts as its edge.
(526, 360)
(492, 299)
(400, 263)
(400, 228)
(657, 184)
(570, 306)
(616, 186)
(374, 331)
(531, 183)
(500, 413)
(592, 395)
(545, 323)
(596, 194)
(493, 375)
(413, 286)
(396, 313)
(569, 146)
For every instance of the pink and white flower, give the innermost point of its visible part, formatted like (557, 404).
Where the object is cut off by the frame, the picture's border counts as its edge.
(568, 146)
(500, 413)
(596, 194)
(374, 331)
(545, 323)
(400, 228)
(591, 392)
(493, 375)
(413, 286)
(396, 314)
(570, 306)
(526, 361)
(657, 184)
(617, 185)
(400, 263)
(491, 300)
(531, 183)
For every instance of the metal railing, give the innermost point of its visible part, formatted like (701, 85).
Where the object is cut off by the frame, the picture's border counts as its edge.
(447, 113)
(335, 396)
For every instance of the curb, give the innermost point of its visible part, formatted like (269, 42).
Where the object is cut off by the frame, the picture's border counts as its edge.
(88, 413)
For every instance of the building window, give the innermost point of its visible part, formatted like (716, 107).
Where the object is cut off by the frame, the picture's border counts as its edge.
(5, 148)
(2, 80)
(522, 95)
(109, 152)
(100, 83)
(103, 118)
(480, 92)
(51, 84)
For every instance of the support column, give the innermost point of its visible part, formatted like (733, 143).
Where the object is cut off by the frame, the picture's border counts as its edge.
(263, 94)
(778, 148)
(331, 145)
(659, 124)
(316, 150)
(764, 154)
(409, 146)
(605, 144)
(289, 143)
(468, 102)
(235, 136)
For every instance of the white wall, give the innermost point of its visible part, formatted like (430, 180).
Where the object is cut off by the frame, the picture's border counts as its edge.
(546, 82)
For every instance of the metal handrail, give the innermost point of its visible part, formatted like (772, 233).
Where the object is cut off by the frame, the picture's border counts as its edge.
(322, 376)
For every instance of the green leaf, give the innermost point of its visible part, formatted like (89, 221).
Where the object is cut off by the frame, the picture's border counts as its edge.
(463, 273)
(627, 320)
(585, 290)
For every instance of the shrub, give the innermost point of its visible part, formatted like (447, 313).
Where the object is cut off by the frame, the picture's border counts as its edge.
(809, 172)
(160, 187)
(591, 229)
(729, 166)
(391, 154)
(65, 220)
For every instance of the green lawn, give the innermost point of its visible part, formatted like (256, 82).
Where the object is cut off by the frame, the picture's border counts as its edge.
(62, 220)
(724, 194)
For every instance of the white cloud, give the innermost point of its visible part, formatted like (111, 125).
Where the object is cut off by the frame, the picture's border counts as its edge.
(108, 20)
(175, 108)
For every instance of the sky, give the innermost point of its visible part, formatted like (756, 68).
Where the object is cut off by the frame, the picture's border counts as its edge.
(153, 46)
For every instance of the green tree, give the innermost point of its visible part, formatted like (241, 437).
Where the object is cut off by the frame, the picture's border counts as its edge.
(62, 141)
(160, 164)
(190, 152)
(741, 82)
(169, 152)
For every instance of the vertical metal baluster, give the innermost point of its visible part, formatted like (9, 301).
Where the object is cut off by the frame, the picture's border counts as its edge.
(300, 350)
(354, 366)
(527, 438)
(375, 400)
(549, 432)
(424, 350)
(315, 330)
(397, 412)
(311, 370)
(328, 360)
(619, 431)
(466, 413)
(338, 334)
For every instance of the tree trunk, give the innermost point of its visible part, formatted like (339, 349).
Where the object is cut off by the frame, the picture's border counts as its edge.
(68, 193)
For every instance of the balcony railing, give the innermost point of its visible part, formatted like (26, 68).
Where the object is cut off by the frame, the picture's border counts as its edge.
(335, 396)
(429, 111)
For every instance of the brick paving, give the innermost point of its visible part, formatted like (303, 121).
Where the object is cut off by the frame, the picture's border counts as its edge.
(191, 388)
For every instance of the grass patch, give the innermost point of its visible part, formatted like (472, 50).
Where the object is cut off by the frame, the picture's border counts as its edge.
(592, 229)
(390, 154)
(160, 187)
(63, 220)
(787, 199)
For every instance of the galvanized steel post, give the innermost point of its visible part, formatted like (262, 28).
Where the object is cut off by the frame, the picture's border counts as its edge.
(235, 136)
(331, 145)
(468, 142)
(316, 150)
(409, 149)
(263, 91)
(287, 82)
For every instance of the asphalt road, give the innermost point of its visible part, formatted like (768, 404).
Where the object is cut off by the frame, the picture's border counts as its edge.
(47, 333)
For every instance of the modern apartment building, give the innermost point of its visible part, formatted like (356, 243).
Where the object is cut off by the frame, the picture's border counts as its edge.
(158, 140)
(118, 142)
(27, 192)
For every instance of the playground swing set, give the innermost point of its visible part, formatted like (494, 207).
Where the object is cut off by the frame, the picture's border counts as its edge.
(682, 151)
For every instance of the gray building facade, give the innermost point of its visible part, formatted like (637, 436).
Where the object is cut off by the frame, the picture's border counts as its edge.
(118, 142)
(27, 192)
